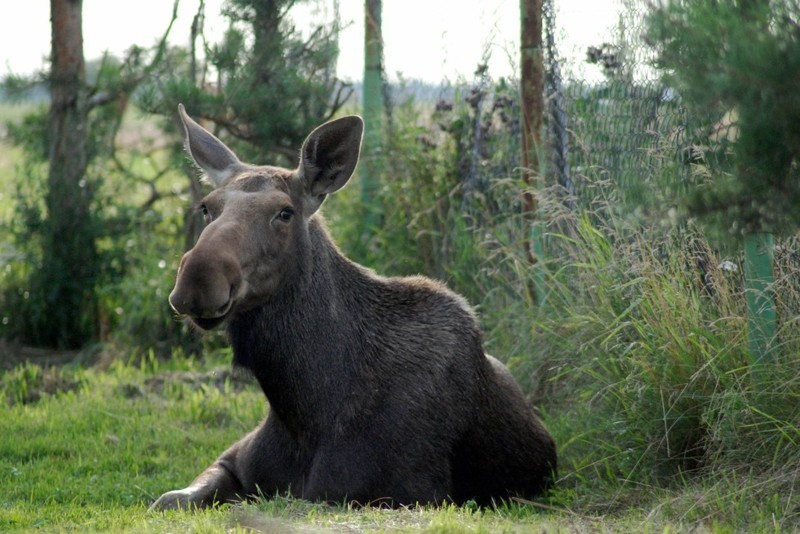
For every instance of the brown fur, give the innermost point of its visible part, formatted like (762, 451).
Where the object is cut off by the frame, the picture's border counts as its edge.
(379, 388)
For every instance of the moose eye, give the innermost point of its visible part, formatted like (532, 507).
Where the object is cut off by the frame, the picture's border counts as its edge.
(204, 210)
(286, 214)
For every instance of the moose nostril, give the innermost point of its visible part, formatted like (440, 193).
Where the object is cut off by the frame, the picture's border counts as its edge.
(222, 310)
(231, 297)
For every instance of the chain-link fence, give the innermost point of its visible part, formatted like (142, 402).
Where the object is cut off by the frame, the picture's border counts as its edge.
(622, 123)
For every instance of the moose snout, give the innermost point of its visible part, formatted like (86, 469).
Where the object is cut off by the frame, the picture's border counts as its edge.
(206, 287)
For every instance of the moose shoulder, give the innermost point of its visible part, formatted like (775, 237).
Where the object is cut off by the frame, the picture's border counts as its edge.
(379, 389)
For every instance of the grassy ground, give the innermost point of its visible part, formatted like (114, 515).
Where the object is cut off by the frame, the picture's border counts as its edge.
(90, 448)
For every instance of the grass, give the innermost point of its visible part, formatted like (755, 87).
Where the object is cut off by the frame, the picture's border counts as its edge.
(90, 448)
(100, 443)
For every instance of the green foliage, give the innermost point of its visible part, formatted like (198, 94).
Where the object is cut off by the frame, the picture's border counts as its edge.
(27, 283)
(30, 133)
(743, 58)
(32, 282)
(138, 233)
(274, 83)
(644, 335)
(66, 235)
(438, 186)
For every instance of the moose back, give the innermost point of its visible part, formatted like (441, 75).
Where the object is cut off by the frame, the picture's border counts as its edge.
(379, 388)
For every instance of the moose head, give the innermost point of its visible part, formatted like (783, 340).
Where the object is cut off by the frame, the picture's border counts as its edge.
(256, 239)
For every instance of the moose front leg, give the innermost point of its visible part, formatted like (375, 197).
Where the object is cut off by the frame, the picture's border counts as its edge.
(217, 484)
(266, 461)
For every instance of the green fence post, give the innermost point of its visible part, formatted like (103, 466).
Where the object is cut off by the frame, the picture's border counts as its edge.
(761, 316)
(537, 252)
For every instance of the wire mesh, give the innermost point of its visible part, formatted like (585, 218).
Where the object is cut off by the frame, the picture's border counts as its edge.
(614, 118)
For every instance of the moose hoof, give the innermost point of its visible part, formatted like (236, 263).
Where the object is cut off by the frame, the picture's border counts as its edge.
(176, 500)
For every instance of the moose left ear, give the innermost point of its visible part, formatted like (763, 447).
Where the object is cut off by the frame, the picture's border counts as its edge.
(329, 156)
(212, 155)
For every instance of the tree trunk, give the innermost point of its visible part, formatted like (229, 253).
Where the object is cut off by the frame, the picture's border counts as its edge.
(532, 108)
(70, 258)
(371, 155)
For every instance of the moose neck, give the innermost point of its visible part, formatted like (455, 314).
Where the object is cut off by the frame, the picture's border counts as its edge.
(289, 341)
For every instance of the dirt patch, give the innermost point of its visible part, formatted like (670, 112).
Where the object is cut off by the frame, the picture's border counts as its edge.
(217, 378)
(12, 355)
(28, 383)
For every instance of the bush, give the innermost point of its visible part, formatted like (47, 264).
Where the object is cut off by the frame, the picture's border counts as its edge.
(646, 333)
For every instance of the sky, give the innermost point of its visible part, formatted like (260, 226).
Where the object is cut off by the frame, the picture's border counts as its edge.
(431, 40)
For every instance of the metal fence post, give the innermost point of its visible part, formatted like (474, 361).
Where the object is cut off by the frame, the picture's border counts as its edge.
(761, 316)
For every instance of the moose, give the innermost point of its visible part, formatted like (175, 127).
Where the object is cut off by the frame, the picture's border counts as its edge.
(379, 389)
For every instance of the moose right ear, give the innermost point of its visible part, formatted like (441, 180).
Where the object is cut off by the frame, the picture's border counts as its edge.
(329, 156)
(209, 153)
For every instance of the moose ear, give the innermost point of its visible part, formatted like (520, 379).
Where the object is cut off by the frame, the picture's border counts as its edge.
(329, 156)
(208, 152)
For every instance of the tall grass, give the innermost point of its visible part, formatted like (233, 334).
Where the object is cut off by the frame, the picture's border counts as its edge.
(641, 365)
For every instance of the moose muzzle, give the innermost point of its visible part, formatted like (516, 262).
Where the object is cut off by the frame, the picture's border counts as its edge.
(207, 286)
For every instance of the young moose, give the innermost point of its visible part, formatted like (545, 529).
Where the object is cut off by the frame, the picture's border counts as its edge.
(379, 389)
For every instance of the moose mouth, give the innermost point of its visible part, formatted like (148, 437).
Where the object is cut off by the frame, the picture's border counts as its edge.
(208, 323)
(204, 320)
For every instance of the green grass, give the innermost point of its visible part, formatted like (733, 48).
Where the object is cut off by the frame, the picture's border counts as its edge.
(90, 448)
(97, 454)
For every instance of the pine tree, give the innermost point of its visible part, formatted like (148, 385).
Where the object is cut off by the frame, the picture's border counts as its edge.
(58, 221)
(264, 86)
(532, 110)
(744, 57)
(741, 58)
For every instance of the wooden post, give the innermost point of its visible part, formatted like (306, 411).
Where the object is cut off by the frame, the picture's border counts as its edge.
(532, 109)
(371, 155)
